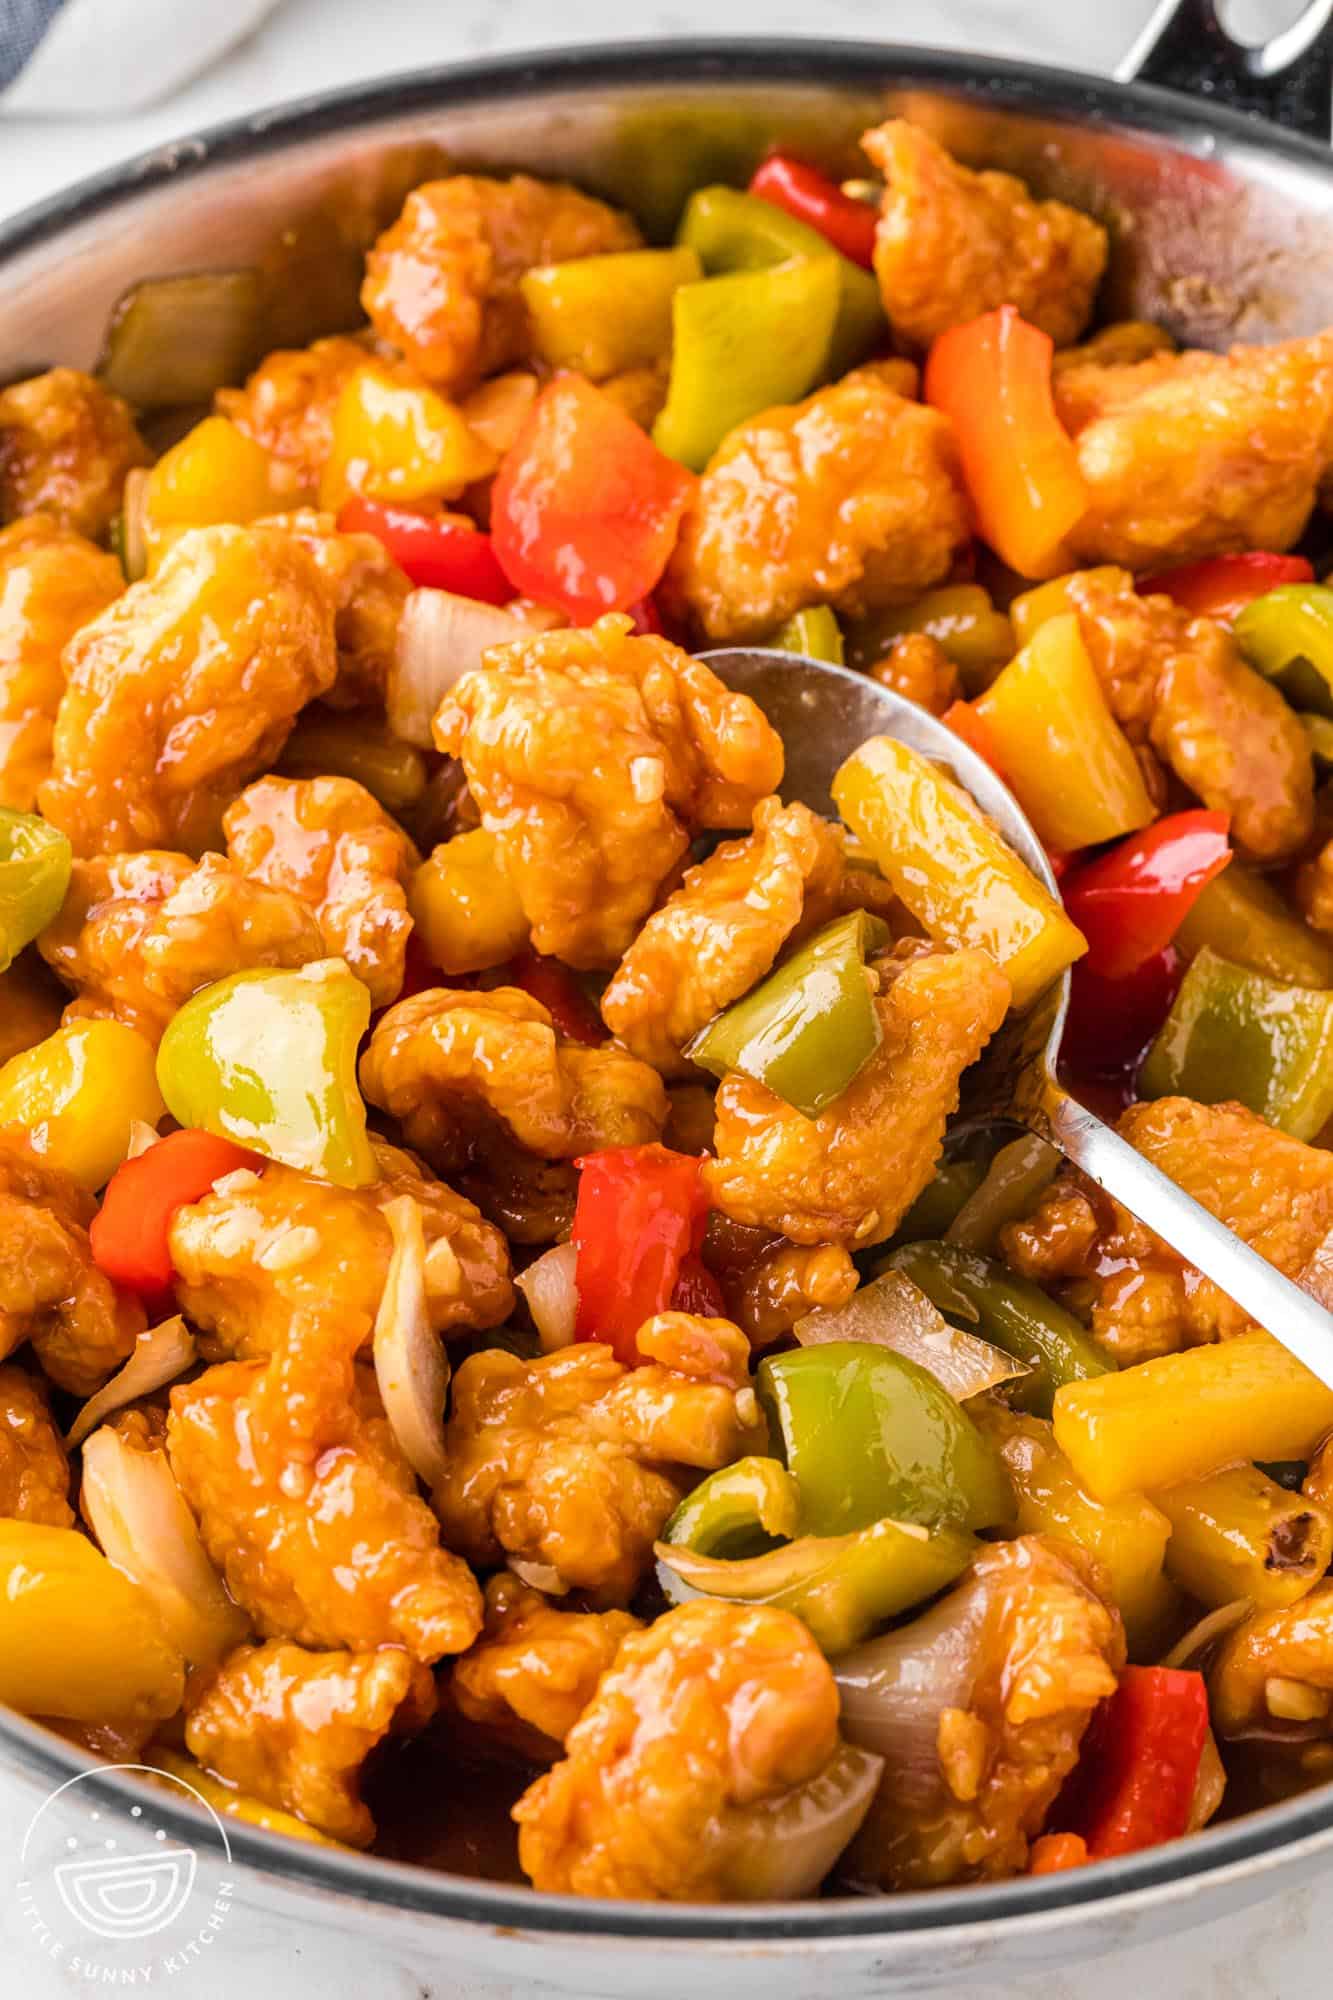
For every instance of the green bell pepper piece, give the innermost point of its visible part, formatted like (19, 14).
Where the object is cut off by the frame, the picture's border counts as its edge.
(809, 1027)
(962, 621)
(955, 1182)
(731, 231)
(815, 632)
(742, 344)
(736, 1511)
(269, 1059)
(868, 1434)
(840, 1586)
(1233, 1033)
(1010, 1313)
(35, 864)
(1288, 635)
(1243, 919)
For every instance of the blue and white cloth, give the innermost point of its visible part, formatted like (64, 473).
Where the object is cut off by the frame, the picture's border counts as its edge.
(101, 58)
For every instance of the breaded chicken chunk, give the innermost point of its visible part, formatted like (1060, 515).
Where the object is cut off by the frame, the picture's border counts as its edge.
(918, 667)
(185, 687)
(139, 933)
(51, 1292)
(442, 282)
(850, 1175)
(52, 581)
(260, 1246)
(852, 498)
(952, 243)
(294, 1728)
(1276, 1193)
(574, 1461)
(593, 756)
(369, 592)
(34, 1472)
(710, 1729)
(1292, 1647)
(66, 444)
(535, 1667)
(327, 842)
(287, 406)
(1033, 1644)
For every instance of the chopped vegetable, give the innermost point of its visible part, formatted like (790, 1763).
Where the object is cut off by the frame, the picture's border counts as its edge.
(741, 344)
(441, 637)
(697, 1290)
(130, 1231)
(640, 1209)
(603, 315)
(804, 192)
(1130, 902)
(945, 861)
(1009, 1312)
(1234, 1034)
(1111, 1023)
(1054, 1853)
(399, 440)
(436, 552)
(215, 473)
(585, 508)
(78, 1095)
(1239, 1534)
(35, 864)
(358, 746)
(1186, 1415)
(967, 721)
(962, 621)
(1288, 635)
(411, 1366)
(560, 993)
(864, 1430)
(129, 538)
(551, 1290)
(808, 1028)
(893, 1313)
(1243, 918)
(173, 341)
(1133, 1785)
(1222, 586)
(1192, 1647)
(269, 1059)
(992, 378)
(786, 1847)
(815, 633)
(737, 1511)
(1063, 754)
(160, 1355)
(464, 906)
(943, 1198)
(1014, 1178)
(840, 1586)
(1319, 735)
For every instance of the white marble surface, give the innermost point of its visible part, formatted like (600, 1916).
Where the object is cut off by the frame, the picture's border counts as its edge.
(1276, 1953)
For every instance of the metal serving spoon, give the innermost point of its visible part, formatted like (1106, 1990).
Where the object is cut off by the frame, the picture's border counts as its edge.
(822, 714)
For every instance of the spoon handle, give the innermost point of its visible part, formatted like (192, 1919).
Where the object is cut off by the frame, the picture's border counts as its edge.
(1274, 1302)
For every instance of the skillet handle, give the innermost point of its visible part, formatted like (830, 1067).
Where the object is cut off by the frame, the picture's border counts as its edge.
(1288, 78)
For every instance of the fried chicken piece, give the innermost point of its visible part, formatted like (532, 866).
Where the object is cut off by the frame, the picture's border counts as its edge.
(1119, 345)
(34, 1472)
(294, 1728)
(139, 933)
(442, 283)
(52, 581)
(306, 1504)
(1198, 454)
(452, 1067)
(721, 931)
(918, 667)
(593, 756)
(1017, 1658)
(262, 1246)
(1292, 1645)
(952, 243)
(66, 444)
(287, 406)
(329, 843)
(185, 687)
(574, 1461)
(850, 1175)
(535, 1667)
(784, 1283)
(852, 498)
(530, 1200)
(369, 592)
(1276, 1193)
(1179, 684)
(707, 1725)
(51, 1292)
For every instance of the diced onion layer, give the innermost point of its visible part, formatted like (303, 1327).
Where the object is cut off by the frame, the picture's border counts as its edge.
(411, 1366)
(159, 1356)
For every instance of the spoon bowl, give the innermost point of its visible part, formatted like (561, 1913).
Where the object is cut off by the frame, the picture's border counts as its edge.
(823, 713)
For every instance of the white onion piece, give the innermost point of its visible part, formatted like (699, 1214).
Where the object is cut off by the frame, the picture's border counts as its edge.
(142, 1136)
(539, 1576)
(553, 1300)
(441, 637)
(1017, 1174)
(411, 1366)
(1209, 1785)
(787, 1845)
(894, 1687)
(159, 1356)
(1208, 1631)
(891, 1312)
(133, 1505)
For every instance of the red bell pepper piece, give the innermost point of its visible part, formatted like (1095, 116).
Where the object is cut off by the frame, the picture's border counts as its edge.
(819, 202)
(992, 378)
(1133, 1785)
(436, 554)
(129, 1233)
(585, 508)
(640, 1211)
(1224, 585)
(559, 992)
(697, 1290)
(1112, 1022)
(1131, 901)
(964, 721)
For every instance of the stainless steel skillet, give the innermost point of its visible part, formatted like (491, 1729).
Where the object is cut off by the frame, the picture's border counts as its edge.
(1223, 229)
